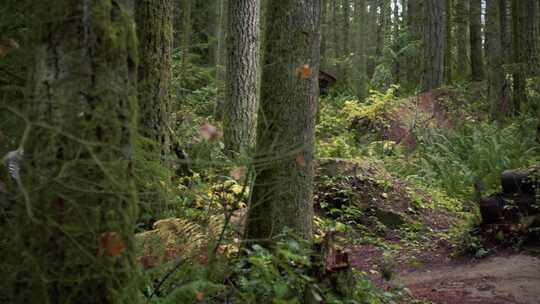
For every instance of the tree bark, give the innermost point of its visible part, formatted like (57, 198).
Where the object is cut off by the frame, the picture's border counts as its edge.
(282, 193)
(477, 57)
(360, 53)
(415, 23)
(241, 102)
(448, 54)
(155, 34)
(518, 36)
(80, 207)
(462, 38)
(434, 44)
(346, 27)
(495, 60)
(221, 60)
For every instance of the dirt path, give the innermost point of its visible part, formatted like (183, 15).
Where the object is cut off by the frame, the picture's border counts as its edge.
(511, 279)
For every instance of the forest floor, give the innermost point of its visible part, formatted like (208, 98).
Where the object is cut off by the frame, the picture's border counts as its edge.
(421, 245)
(500, 279)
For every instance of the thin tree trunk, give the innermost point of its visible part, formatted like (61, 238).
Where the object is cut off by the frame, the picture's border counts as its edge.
(415, 22)
(477, 56)
(221, 59)
(462, 39)
(448, 54)
(282, 193)
(360, 54)
(79, 213)
(241, 102)
(396, 70)
(346, 27)
(520, 53)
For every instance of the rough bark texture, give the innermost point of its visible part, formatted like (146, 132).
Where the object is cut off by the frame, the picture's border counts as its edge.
(282, 193)
(462, 39)
(155, 33)
(434, 45)
(360, 53)
(80, 205)
(477, 55)
(495, 60)
(241, 102)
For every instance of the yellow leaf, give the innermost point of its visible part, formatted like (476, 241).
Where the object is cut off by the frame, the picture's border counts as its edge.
(199, 295)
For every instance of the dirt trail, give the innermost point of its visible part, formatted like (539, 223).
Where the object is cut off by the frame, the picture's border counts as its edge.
(497, 280)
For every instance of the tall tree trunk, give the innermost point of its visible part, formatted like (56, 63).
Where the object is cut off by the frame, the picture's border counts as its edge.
(335, 29)
(241, 102)
(477, 57)
(155, 34)
(448, 54)
(80, 205)
(346, 27)
(506, 29)
(212, 30)
(221, 60)
(185, 33)
(282, 193)
(518, 36)
(415, 23)
(324, 33)
(495, 60)
(462, 38)
(360, 53)
(396, 69)
(372, 34)
(433, 45)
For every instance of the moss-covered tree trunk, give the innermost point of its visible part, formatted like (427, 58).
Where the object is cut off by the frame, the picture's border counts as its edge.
(282, 193)
(477, 52)
(434, 44)
(241, 100)
(78, 204)
(155, 33)
(495, 60)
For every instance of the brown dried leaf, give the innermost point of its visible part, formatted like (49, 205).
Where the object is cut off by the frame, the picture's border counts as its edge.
(111, 245)
(306, 71)
(300, 160)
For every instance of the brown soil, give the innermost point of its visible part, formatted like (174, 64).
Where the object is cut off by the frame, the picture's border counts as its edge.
(513, 279)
